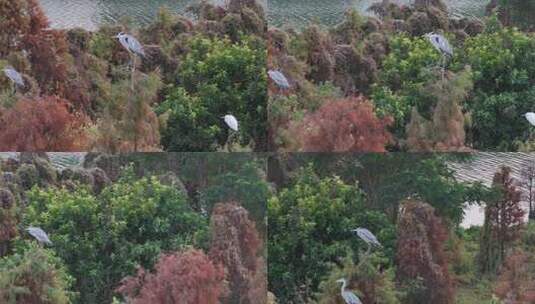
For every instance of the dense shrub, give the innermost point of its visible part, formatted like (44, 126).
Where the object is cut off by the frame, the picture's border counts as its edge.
(308, 226)
(421, 255)
(34, 275)
(100, 237)
(187, 277)
(347, 125)
(219, 78)
(42, 124)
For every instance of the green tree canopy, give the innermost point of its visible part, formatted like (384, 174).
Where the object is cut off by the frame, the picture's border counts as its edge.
(309, 229)
(102, 238)
(219, 77)
(34, 275)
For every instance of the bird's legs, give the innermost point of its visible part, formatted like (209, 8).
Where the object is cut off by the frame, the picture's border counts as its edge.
(230, 139)
(366, 255)
(133, 70)
(443, 68)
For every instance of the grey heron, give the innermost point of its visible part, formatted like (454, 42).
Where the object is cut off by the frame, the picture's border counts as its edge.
(441, 44)
(14, 76)
(280, 80)
(530, 116)
(367, 237)
(349, 297)
(39, 235)
(133, 46)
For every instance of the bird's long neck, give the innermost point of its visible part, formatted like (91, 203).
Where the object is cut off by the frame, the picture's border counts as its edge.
(343, 286)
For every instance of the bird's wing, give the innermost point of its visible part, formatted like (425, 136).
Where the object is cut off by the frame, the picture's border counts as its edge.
(15, 76)
(370, 236)
(446, 46)
(351, 298)
(232, 122)
(18, 78)
(279, 79)
(531, 118)
(435, 41)
(39, 234)
(124, 42)
(135, 46)
(284, 80)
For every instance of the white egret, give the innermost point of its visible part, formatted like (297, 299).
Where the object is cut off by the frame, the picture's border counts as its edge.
(231, 122)
(349, 297)
(530, 116)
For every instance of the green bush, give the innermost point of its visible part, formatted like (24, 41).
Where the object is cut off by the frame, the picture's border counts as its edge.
(309, 229)
(33, 274)
(102, 238)
(219, 78)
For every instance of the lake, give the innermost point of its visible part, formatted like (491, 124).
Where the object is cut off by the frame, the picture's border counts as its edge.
(481, 169)
(299, 12)
(90, 13)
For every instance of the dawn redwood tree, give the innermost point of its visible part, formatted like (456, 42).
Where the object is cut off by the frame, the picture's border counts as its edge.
(528, 181)
(503, 222)
(8, 220)
(445, 131)
(47, 49)
(515, 284)
(23, 18)
(421, 256)
(346, 125)
(237, 246)
(187, 277)
(34, 275)
(48, 56)
(41, 124)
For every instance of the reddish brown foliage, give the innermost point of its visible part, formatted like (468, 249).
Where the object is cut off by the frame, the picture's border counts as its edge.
(21, 18)
(344, 125)
(188, 277)
(528, 181)
(43, 124)
(47, 53)
(504, 218)
(515, 284)
(237, 246)
(8, 220)
(420, 252)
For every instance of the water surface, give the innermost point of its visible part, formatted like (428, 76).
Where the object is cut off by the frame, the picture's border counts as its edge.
(89, 14)
(482, 169)
(59, 160)
(330, 12)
